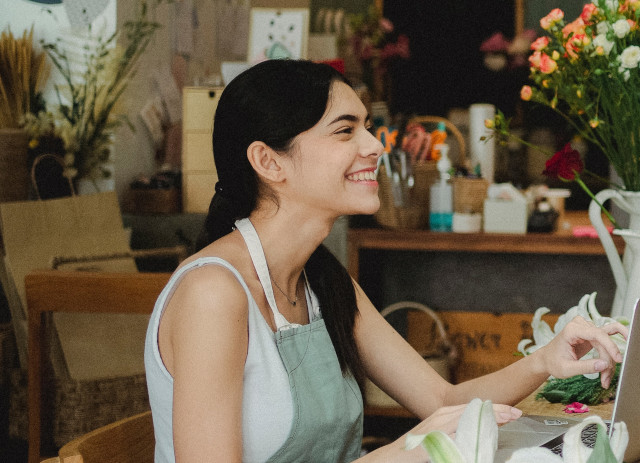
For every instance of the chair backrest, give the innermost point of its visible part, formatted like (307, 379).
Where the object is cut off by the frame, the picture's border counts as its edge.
(130, 440)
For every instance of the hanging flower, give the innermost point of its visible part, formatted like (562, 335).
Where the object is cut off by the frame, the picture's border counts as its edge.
(566, 164)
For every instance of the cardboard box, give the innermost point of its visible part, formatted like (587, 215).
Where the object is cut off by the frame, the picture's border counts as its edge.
(505, 216)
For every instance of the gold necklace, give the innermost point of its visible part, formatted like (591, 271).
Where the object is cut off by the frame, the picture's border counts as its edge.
(292, 302)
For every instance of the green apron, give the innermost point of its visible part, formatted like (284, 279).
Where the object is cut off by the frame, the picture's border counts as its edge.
(327, 406)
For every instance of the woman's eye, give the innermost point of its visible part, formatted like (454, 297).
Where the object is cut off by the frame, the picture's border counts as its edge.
(346, 130)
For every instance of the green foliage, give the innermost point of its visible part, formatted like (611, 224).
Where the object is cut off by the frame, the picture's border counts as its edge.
(579, 389)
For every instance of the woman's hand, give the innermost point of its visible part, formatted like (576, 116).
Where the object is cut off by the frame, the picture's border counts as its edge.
(446, 419)
(562, 354)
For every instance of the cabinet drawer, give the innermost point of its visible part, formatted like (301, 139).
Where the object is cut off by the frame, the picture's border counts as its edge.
(198, 107)
(197, 153)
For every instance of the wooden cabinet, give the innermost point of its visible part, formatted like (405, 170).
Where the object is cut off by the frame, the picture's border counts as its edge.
(198, 169)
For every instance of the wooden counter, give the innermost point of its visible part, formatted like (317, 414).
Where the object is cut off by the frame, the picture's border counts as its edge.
(561, 241)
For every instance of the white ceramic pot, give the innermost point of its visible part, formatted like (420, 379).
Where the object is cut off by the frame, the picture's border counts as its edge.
(626, 270)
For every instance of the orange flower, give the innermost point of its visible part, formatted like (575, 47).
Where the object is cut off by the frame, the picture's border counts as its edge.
(535, 59)
(575, 44)
(526, 92)
(587, 12)
(576, 27)
(547, 65)
(540, 43)
(549, 20)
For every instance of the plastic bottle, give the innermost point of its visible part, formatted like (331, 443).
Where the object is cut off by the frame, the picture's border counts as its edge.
(438, 137)
(441, 195)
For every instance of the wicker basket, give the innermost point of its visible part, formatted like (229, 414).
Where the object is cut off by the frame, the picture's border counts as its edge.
(76, 407)
(416, 214)
(469, 194)
(441, 358)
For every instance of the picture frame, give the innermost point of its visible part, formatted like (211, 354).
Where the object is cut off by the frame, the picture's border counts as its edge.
(276, 33)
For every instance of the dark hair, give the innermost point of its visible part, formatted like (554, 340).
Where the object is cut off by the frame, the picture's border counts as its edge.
(273, 102)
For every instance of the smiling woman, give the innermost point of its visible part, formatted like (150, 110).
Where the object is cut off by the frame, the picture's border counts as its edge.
(238, 371)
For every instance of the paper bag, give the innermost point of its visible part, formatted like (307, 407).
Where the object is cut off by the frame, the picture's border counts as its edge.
(88, 346)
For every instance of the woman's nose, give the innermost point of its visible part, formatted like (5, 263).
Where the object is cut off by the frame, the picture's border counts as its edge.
(373, 146)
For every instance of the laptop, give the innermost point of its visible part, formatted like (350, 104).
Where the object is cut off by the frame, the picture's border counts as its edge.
(548, 431)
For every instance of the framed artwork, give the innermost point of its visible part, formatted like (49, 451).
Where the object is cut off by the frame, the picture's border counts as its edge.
(277, 33)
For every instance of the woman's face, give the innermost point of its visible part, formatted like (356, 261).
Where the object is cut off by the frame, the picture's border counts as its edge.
(334, 162)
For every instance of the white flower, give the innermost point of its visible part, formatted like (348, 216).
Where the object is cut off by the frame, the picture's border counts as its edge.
(574, 450)
(630, 57)
(477, 440)
(601, 40)
(476, 437)
(612, 5)
(602, 27)
(543, 334)
(621, 28)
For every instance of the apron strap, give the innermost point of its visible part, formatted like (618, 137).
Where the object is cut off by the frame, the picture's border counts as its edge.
(248, 232)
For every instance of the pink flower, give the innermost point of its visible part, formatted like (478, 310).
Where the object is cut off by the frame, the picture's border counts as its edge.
(540, 43)
(575, 44)
(547, 65)
(587, 12)
(549, 20)
(526, 92)
(535, 59)
(576, 407)
(386, 25)
(575, 27)
(495, 43)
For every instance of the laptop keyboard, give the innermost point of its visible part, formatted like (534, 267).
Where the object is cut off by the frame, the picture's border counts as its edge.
(588, 436)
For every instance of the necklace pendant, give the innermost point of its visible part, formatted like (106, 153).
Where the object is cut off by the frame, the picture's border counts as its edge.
(294, 303)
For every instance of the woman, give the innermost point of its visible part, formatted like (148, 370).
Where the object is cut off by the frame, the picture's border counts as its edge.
(258, 343)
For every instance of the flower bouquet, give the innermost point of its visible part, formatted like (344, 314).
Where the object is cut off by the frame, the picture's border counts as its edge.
(375, 45)
(587, 71)
(83, 115)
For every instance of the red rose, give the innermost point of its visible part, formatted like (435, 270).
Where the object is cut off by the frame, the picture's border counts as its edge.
(565, 164)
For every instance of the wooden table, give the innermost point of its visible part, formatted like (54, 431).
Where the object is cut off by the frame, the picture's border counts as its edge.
(532, 406)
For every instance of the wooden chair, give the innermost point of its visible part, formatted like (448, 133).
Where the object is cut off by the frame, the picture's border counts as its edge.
(130, 440)
(76, 291)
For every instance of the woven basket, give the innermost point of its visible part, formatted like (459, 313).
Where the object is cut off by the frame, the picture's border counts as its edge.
(76, 407)
(469, 194)
(416, 214)
(441, 358)
(14, 165)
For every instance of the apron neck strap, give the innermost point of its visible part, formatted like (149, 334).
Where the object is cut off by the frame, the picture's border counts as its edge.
(251, 238)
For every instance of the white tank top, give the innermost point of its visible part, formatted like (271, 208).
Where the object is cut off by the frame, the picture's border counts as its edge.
(267, 409)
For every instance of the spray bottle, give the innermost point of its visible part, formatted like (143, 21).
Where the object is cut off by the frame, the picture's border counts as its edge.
(441, 194)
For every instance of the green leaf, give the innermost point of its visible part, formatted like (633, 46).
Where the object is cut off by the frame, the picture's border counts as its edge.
(602, 449)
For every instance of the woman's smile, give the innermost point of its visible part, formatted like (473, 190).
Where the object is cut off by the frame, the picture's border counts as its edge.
(368, 176)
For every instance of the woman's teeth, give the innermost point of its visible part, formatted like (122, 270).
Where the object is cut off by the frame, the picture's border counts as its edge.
(368, 175)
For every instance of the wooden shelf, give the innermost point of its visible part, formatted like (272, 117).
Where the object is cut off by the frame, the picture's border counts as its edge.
(559, 242)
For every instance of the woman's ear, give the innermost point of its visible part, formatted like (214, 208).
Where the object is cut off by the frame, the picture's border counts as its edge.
(265, 161)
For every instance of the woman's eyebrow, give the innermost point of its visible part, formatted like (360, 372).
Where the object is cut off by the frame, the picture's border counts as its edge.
(349, 118)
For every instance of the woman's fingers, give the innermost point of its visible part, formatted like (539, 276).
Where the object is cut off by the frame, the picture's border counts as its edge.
(578, 338)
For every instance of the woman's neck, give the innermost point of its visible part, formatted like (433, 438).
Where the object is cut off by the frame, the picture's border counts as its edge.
(288, 242)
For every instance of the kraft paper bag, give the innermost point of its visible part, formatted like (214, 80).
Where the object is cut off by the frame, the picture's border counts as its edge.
(87, 346)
